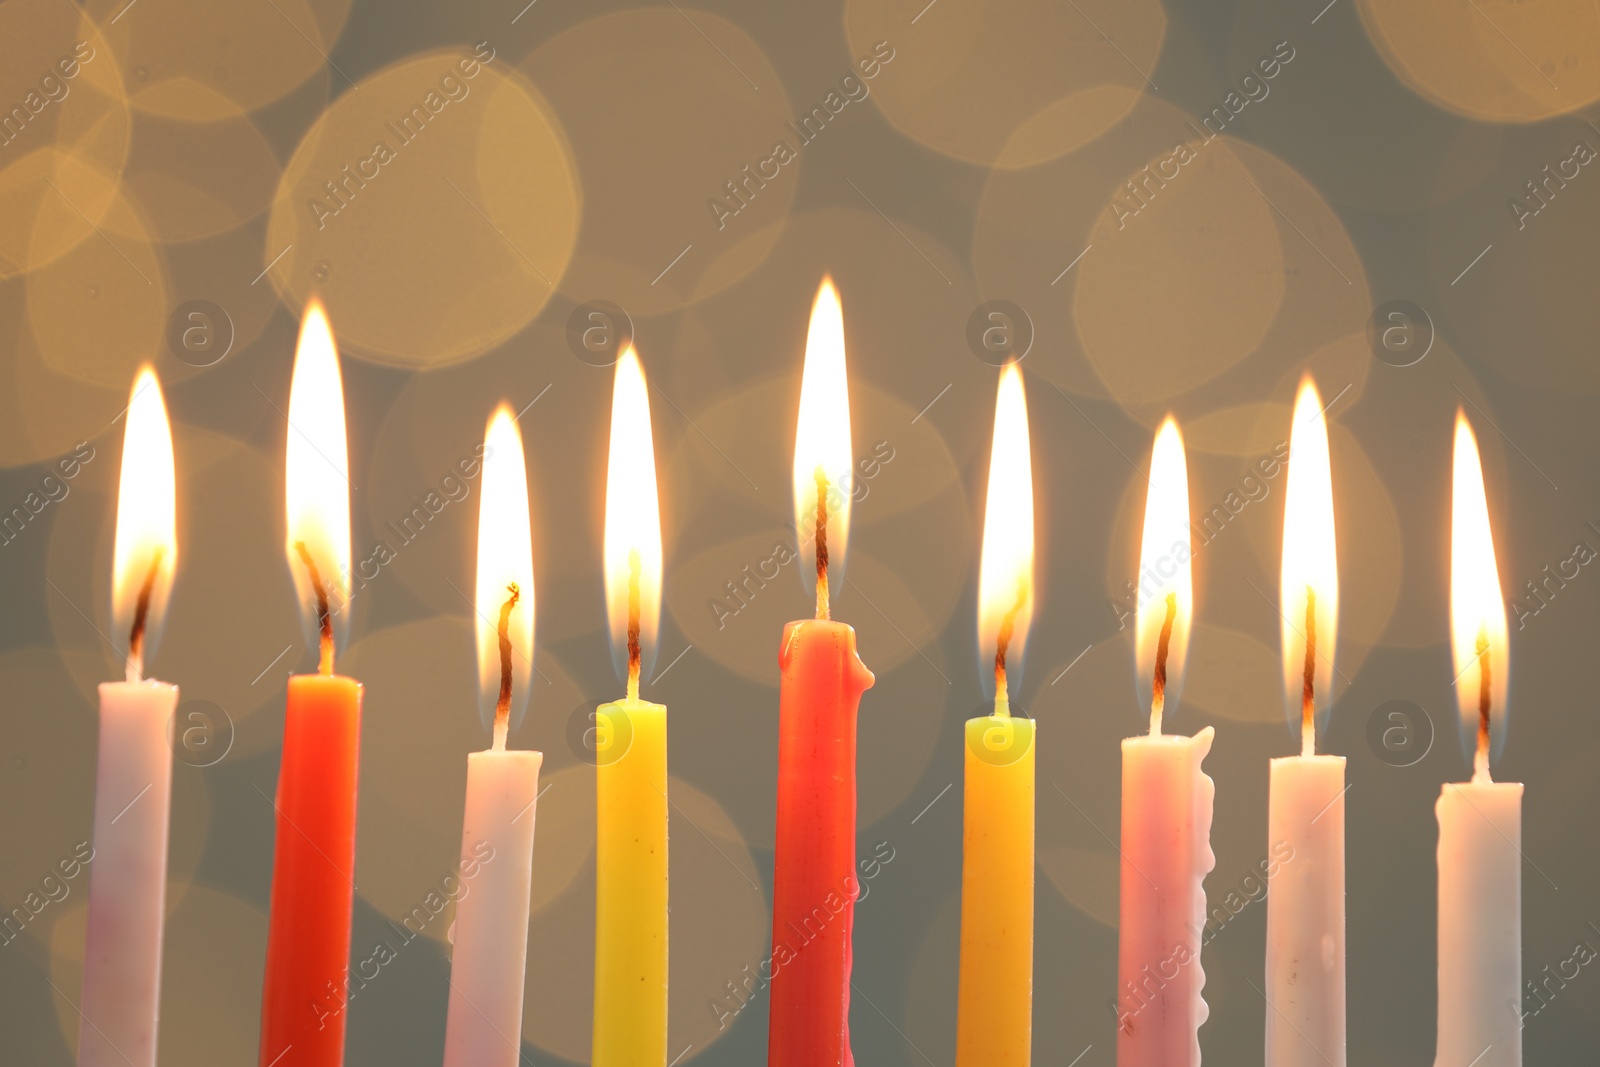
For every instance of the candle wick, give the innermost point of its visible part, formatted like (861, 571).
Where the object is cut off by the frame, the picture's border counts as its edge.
(822, 543)
(1002, 645)
(1308, 698)
(134, 668)
(1158, 686)
(502, 706)
(1480, 762)
(635, 649)
(324, 615)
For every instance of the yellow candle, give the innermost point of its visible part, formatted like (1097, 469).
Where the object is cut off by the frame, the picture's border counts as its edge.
(630, 946)
(630, 943)
(994, 1017)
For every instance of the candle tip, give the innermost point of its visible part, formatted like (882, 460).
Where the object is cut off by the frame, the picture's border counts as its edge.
(1480, 761)
(822, 543)
(1158, 688)
(502, 707)
(141, 615)
(324, 613)
(1308, 688)
(635, 617)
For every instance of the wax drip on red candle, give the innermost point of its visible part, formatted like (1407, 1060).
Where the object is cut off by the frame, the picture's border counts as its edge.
(635, 652)
(1158, 687)
(502, 706)
(1481, 759)
(324, 615)
(1308, 695)
(1002, 645)
(822, 544)
(141, 613)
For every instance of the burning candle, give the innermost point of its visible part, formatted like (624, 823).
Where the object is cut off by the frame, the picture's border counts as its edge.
(483, 1027)
(994, 1019)
(1166, 799)
(814, 883)
(1305, 817)
(630, 937)
(304, 990)
(1480, 822)
(133, 778)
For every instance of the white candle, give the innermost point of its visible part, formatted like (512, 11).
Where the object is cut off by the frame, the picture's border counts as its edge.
(483, 1026)
(128, 879)
(121, 998)
(1166, 800)
(1305, 965)
(1305, 914)
(1480, 823)
(1480, 924)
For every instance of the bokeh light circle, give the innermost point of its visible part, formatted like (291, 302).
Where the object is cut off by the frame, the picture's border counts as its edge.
(666, 108)
(100, 310)
(1491, 60)
(60, 164)
(1184, 273)
(433, 211)
(1011, 84)
(183, 62)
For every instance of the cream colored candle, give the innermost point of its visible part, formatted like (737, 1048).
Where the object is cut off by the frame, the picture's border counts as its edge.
(1166, 800)
(128, 878)
(1480, 822)
(121, 998)
(1305, 914)
(483, 1025)
(1305, 970)
(488, 962)
(1480, 924)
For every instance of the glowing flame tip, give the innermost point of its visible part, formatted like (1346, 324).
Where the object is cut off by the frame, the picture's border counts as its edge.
(632, 550)
(145, 549)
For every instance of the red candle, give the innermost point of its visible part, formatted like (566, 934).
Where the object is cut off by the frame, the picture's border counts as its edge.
(313, 872)
(815, 884)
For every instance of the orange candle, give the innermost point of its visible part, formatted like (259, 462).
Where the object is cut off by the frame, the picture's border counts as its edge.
(313, 872)
(814, 885)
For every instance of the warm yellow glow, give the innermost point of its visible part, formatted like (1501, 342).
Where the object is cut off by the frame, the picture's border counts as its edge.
(633, 512)
(822, 440)
(146, 538)
(1310, 563)
(1477, 610)
(316, 473)
(505, 558)
(1005, 568)
(1166, 580)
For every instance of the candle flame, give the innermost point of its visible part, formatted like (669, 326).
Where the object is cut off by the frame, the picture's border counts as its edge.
(1166, 581)
(145, 553)
(1005, 567)
(504, 590)
(317, 486)
(632, 553)
(1308, 586)
(1478, 636)
(823, 461)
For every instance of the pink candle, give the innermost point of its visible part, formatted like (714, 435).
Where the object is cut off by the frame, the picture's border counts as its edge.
(1166, 801)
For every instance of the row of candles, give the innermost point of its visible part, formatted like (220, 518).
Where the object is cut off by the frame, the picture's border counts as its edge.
(1166, 797)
